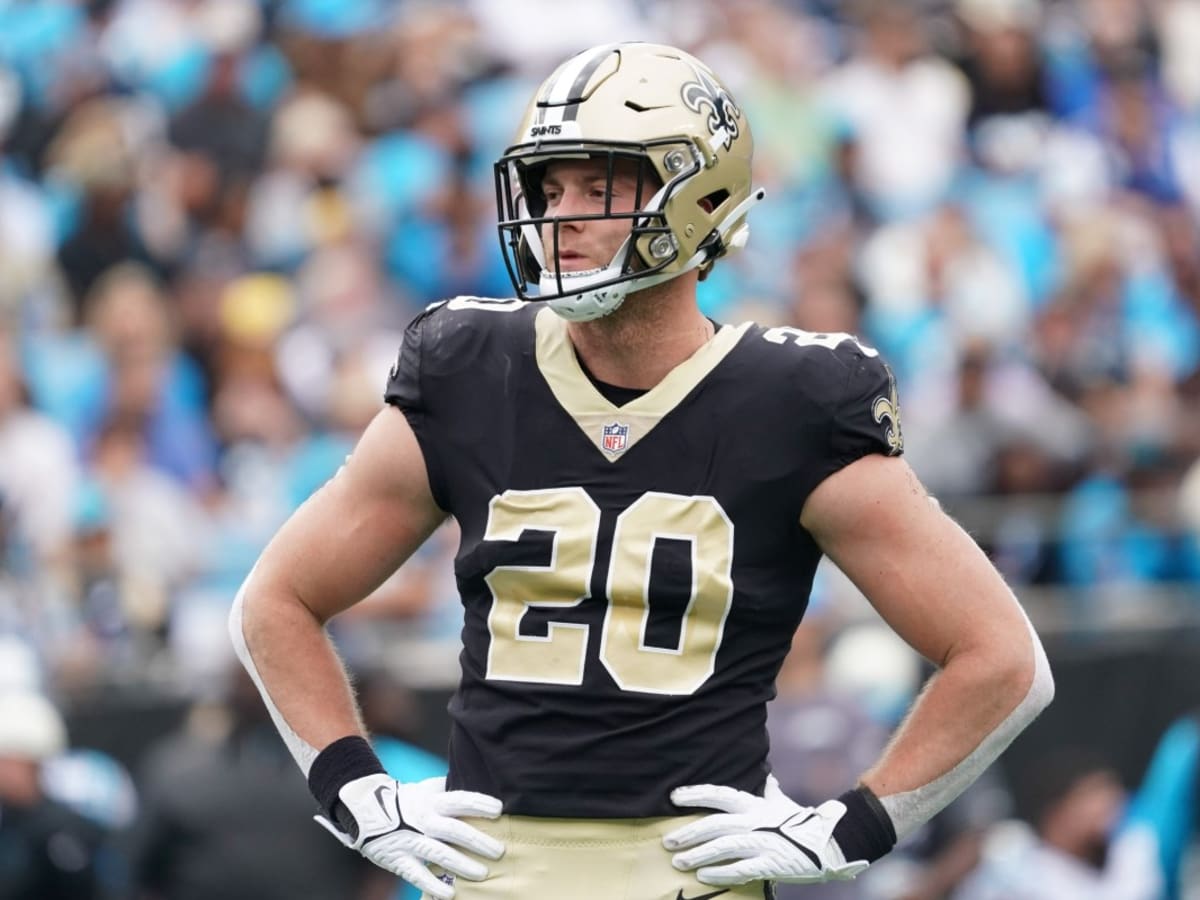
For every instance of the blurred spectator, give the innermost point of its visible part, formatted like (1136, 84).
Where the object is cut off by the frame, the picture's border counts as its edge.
(1023, 544)
(957, 456)
(1169, 798)
(294, 206)
(933, 285)
(92, 159)
(1138, 126)
(38, 473)
(193, 838)
(339, 319)
(1076, 848)
(96, 785)
(47, 851)
(1122, 530)
(219, 125)
(140, 538)
(29, 294)
(127, 366)
(904, 107)
(1002, 61)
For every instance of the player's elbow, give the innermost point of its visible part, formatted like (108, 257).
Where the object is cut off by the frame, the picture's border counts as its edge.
(267, 614)
(251, 621)
(1022, 674)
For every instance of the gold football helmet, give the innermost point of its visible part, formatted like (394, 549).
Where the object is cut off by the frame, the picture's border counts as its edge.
(666, 111)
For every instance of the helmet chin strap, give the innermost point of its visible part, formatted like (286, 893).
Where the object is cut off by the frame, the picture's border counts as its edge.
(587, 304)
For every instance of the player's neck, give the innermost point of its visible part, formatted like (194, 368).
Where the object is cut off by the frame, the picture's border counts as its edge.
(638, 345)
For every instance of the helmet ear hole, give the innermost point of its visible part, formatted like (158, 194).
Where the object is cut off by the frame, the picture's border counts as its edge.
(711, 202)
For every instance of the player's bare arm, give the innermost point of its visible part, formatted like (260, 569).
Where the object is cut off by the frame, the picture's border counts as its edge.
(932, 584)
(334, 551)
(935, 588)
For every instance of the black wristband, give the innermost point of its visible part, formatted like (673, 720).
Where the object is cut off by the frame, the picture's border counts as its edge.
(866, 830)
(337, 765)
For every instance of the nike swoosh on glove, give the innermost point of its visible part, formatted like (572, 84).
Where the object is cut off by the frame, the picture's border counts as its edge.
(405, 827)
(769, 838)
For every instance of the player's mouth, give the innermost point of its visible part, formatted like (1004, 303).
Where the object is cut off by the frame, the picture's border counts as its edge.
(573, 261)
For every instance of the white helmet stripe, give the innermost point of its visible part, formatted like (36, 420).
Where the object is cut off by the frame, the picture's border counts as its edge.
(570, 80)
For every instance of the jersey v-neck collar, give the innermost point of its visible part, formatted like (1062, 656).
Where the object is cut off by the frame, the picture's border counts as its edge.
(610, 428)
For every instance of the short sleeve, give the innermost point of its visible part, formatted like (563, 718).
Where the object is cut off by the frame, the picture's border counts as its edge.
(867, 418)
(404, 380)
(405, 392)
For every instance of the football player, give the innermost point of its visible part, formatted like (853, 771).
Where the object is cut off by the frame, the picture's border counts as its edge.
(643, 496)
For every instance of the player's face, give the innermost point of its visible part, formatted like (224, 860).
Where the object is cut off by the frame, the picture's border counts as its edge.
(581, 188)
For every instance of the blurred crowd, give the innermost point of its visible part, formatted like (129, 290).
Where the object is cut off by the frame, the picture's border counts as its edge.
(217, 216)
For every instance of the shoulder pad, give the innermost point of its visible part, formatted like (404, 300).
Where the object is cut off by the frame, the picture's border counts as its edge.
(448, 336)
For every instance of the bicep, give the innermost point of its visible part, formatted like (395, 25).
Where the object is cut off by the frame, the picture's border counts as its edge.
(924, 575)
(357, 529)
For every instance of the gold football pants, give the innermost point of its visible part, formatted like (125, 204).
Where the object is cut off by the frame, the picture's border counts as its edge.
(590, 859)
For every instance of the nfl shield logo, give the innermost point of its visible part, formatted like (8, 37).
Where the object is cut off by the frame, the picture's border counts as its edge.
(615, 437)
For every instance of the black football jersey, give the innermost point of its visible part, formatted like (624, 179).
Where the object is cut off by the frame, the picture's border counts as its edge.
(631, 575)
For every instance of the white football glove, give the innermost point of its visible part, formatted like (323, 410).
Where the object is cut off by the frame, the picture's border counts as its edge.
(768, 838)
(405, 827)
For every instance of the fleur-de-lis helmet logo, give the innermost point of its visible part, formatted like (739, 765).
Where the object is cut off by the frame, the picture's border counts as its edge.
(705, 93)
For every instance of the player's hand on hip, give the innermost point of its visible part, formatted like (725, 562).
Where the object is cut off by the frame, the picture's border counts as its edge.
(404, 828)
(754, 838)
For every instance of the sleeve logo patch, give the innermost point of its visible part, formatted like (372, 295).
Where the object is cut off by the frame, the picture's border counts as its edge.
(887, 410)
